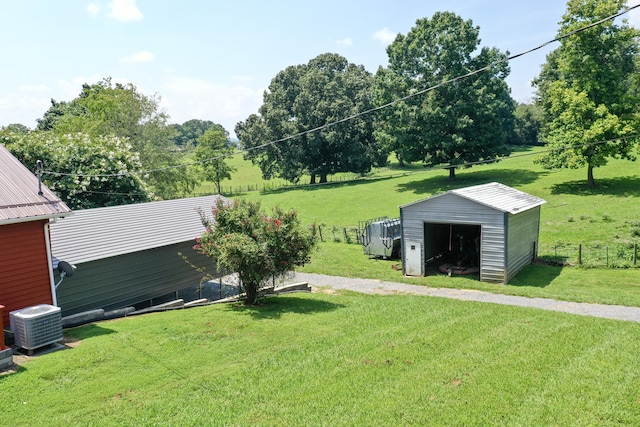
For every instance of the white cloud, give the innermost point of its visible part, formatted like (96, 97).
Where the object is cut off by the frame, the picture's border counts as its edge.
(347, 41)
(34, 88)
(384, 36)
(186, 98)
(93, 9)
(23, 108)
(125, 10)
(138, 57)
(243, 78)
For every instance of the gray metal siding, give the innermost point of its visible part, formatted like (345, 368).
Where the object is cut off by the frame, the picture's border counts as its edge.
(125, 280)
(450, 208)
(522, 239)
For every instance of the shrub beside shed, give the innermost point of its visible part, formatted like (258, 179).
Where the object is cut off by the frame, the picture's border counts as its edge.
(500, 223)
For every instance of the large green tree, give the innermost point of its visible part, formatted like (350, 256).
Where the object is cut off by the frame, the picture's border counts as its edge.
(187, 133)
(120, 110)
(528, 124)
(466, 120)
(212, 150)
(85, 171)
(258, 247)
(306, 97)
(584, 89)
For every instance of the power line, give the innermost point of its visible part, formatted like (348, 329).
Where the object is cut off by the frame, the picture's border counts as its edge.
(369, 111)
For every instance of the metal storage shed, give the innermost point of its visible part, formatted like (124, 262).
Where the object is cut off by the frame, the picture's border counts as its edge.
(129, 254)
(501, 222)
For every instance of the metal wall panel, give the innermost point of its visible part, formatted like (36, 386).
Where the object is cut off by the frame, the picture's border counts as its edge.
(522, 240)
(125, 280)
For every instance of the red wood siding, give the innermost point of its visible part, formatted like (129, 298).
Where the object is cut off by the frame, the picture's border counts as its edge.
(23, 262)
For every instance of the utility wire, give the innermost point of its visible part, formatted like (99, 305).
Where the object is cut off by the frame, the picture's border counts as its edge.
(372, 110)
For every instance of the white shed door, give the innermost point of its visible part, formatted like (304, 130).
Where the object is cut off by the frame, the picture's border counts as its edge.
(413, 258)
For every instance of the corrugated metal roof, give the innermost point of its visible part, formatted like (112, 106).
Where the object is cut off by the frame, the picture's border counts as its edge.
(19, 198)
(93, 234)
(497, 196)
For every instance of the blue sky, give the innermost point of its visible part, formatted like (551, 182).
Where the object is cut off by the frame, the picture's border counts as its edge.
(212, 60)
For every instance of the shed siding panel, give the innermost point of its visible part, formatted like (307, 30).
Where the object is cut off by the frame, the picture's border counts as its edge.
(24, 265)
(523, 238)
(125, 280)
(450, 208)
(492, 251)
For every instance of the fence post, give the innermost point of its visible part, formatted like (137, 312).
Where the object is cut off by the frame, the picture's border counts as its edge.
(580, 254)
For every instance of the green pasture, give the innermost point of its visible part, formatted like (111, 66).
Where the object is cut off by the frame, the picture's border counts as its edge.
(603, 219)
(335, 360)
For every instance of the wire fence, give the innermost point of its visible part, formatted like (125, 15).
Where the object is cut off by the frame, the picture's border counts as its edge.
(614, 255)
(590, 255)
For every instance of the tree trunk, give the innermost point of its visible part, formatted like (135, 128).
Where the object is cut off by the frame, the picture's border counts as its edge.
(452, 174)
(323, 177)
(218, 186)
(251, 293)
(591, 183)
(313, 179)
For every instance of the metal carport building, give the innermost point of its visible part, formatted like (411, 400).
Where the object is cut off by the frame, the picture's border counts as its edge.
(503, 223)
(129, 254)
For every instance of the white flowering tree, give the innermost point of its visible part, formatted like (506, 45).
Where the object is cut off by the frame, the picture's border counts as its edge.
(86, 172)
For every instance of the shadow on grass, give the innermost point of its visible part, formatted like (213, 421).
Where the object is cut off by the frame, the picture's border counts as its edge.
(622, 186)
(275, 307)
(88, 331)
(440, 184)
(332, 184)
(536, 276)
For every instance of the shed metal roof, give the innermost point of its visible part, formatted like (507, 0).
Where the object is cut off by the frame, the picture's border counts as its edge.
(497, 196)
(19, 198)
(99, 233)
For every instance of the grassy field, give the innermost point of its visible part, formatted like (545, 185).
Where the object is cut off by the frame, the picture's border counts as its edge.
(320, 359)
(352, 359)
(608, 216)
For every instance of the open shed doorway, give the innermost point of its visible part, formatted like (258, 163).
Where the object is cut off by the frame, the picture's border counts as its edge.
(455, 246)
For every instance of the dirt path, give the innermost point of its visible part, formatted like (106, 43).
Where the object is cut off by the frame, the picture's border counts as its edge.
(370, 286)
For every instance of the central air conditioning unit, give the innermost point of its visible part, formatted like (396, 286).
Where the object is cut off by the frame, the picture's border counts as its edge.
(37, 326)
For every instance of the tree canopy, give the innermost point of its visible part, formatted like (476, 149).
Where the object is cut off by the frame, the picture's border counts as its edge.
(120, 110)
(584, 89)
(307, 97)
(212, 148)
(258, 247)
(466, 120)
(85, 171)
(528, 124)
(187, 133)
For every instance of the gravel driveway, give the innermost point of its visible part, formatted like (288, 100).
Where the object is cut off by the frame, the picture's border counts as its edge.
(370, 286)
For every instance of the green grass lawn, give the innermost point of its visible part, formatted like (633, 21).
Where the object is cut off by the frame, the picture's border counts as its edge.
(347, 359)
